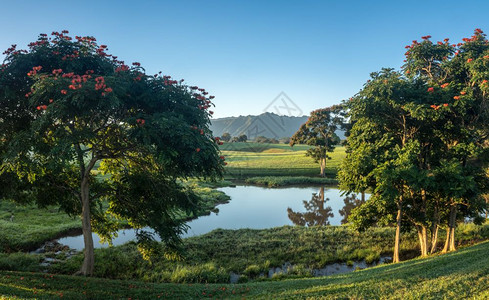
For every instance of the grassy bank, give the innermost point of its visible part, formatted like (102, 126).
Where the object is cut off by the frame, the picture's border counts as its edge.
(277, 181)
(211, 257)
(461, 274)
(256, 159)
(31, 226)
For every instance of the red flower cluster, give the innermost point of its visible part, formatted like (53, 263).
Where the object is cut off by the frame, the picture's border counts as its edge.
(430, 89)
(68, 75)
(140, 122)
(463, 92)
(56, 72)
(456, 97)
(197, 150)
(444, 85)
(42, 107)
(136, 64)
(469, 60)
(10, 50)
(100, 83)
(435, 107)
(34, 71)
(426, 37)
(64, 92)
(121, 68)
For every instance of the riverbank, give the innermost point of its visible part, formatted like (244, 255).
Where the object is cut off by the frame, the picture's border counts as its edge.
(27, 227)
(454, 275)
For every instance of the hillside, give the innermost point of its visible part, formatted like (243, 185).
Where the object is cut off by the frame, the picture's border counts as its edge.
(267, 124)
(457, 275)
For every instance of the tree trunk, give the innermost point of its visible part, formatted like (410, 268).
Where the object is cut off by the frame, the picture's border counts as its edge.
(323, 166)
(363, 197)
(434, 238)
(89, 260)
(452, 223)
(395, 256)
(423, 239)
(434, 230)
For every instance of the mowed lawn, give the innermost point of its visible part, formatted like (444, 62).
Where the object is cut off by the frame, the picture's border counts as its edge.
(255, 159)
(458, 275)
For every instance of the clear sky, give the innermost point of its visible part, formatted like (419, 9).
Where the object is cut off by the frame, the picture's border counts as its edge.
(247, 52)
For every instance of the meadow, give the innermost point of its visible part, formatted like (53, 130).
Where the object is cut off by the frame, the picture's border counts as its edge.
(248, 159)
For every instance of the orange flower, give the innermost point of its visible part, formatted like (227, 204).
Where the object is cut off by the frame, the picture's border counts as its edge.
(469, 60)
(430, 89)
(444, 85)
(463, 92)
(445, 104)
(456, 97)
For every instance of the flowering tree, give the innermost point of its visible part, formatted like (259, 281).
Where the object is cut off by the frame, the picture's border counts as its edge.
(418, 141)
(80, 127)
(319, 132)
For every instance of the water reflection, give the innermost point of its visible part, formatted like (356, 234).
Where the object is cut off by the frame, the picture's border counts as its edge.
(350, 203)
(316, 213)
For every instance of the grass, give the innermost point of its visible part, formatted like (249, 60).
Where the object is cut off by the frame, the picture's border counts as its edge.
(211, 257)
(276, 181)
(31, 226)
(256, 159)
(456, 275)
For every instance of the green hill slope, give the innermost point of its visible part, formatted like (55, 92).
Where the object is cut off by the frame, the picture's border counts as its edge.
(458, 275)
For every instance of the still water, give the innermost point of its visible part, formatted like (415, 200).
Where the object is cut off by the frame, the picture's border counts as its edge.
(258, 208)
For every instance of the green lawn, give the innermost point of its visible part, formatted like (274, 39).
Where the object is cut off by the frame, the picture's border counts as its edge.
(457, 275)
(255, 159)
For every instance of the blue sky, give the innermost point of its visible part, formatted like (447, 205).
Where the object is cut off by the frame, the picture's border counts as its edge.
(247, 52)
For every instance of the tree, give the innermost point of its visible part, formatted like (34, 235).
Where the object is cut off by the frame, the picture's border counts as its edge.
(70, 111)
(416, 146)
(241, 138)
(226, 137)
(319, 132)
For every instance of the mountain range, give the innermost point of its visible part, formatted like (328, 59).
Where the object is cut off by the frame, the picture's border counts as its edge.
(267, 124)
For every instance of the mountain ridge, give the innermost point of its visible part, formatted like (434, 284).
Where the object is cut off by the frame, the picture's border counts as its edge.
(267, 124)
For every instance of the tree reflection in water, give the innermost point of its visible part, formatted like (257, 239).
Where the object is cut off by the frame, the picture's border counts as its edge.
(316, 213)
(350, 203)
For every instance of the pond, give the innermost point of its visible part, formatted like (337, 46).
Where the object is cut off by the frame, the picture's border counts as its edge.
(259, 208)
